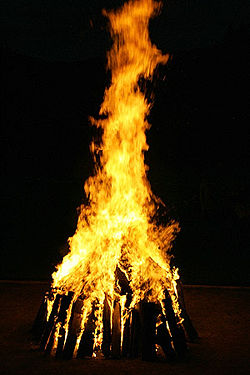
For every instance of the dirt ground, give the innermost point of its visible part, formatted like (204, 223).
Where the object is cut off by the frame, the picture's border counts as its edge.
(221, 316)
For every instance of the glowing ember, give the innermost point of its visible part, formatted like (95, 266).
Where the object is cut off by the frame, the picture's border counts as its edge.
(117, 242)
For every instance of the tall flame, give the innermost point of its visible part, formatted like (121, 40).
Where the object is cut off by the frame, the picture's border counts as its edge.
(116, 232)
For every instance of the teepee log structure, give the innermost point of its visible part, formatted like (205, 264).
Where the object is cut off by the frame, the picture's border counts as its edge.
(147, 327)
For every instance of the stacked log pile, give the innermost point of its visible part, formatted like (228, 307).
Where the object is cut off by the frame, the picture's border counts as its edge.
(150, 328)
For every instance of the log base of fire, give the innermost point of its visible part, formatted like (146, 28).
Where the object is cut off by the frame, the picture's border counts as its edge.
(147, 331)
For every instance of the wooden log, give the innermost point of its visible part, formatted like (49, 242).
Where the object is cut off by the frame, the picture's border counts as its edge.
(140, 335)
(52, 341)
(123, 282)
(148, 323)
(74, 329)
(135, 334)
(57, 336)
(106, 343)
(164, 340)
(41, 319)
(126, 330)
(62, 318)
(50, 323)
(86, 345)
(126, 338)
(176, 330)
(116, 331)
(191, 332)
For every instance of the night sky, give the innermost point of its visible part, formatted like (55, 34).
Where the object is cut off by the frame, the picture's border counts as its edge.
(53, 78)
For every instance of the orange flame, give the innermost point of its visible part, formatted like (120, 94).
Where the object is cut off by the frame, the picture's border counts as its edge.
(116, 231)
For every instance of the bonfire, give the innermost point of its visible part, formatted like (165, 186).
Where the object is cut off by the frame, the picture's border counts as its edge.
(116, 293)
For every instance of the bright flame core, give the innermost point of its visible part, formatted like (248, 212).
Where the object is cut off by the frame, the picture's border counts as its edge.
(116, 231)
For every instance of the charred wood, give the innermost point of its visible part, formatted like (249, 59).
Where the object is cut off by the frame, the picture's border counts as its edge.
(127, 330)
(49, 328)
(57, 337)
(148, 323)
(74, 329)
(135, 334)
(126, 339)
(122, 281)
(191, 332)
(164, 340)
(87, 340)
(106, 343)
(41, 319)
(116, 331)
(176, 330)
(62, 319)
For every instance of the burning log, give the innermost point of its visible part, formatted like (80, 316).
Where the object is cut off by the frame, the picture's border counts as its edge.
(191, 332)
(145, 327)
(148, 324)
(62, 320)
(74, 329)
(51, 323)
(126, 339)
(106, 342)
(116, 331)
(41, 318)
(135, 334)
(175, 328)
(86, 345)
(163, 339)
(56, 337)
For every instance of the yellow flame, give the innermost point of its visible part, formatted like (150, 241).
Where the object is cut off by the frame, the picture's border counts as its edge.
(116, 229)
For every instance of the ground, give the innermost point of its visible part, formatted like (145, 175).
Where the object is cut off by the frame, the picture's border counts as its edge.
(221, 316)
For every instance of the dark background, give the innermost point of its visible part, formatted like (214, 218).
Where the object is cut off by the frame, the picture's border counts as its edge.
(53, 77)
